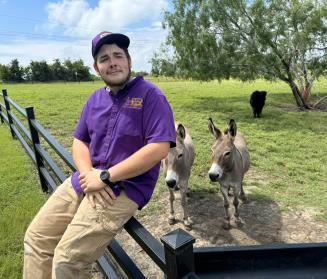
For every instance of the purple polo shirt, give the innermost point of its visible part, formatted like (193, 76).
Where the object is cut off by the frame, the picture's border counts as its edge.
(116, 126)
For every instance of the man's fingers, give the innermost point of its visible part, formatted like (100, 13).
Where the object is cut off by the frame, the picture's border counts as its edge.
(81, 175)
(99, 198)
(110, 192)
(106, 196)
(91, 198)
(84, 186)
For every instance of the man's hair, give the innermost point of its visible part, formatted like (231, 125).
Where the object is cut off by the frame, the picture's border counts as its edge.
(125, 51)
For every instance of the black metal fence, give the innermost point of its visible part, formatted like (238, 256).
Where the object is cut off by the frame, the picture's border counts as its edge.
(174, 255)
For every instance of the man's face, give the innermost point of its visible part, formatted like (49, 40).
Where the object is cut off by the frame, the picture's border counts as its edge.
(113, 65)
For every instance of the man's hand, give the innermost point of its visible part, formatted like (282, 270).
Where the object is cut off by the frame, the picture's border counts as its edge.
(90, 181)
(104, 196)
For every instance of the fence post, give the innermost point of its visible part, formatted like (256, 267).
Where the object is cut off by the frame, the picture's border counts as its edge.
(2, 121)
(178, 246)
(7, 105)
(36, 140)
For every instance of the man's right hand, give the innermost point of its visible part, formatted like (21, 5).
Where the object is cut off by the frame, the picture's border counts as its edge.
(104, 196)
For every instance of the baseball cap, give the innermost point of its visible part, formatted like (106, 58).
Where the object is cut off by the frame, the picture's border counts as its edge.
(105, 37)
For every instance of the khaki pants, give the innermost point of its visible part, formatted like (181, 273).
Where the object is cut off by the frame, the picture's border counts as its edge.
(68, 235)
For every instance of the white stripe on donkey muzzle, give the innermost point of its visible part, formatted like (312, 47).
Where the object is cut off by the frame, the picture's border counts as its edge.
(215, 172)
(171, 179)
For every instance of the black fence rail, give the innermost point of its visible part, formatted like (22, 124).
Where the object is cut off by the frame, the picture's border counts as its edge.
(174, 255)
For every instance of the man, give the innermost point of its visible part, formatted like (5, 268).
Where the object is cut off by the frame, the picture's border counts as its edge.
(124, 131)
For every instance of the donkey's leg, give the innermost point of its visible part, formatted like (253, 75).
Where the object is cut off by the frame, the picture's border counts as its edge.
(237, 191)
(186, 218)
(243, 197)
(171, 218)
(224, 191)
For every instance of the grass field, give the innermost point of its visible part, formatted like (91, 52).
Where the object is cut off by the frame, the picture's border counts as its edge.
(19, 201)
(288, 148)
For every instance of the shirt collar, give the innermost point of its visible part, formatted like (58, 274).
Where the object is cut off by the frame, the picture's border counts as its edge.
(122, 92)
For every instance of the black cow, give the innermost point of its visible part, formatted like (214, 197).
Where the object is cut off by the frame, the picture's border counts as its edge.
(257, 102)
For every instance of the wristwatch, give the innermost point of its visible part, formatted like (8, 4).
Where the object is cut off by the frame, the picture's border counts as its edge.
(105, 178)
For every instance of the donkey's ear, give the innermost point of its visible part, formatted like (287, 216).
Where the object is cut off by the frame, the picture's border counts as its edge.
(213, 130)
(181, 131)
(232, 129)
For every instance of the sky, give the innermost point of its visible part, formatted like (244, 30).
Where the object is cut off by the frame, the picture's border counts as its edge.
(35, 30)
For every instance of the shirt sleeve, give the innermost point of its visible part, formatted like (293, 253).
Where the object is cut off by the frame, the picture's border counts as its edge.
(81, 130)
(158, 119)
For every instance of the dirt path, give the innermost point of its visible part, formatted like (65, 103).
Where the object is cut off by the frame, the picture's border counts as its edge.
(263, 223)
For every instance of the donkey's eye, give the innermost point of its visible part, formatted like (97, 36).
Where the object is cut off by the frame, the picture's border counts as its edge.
(180, 156)
(226, 153)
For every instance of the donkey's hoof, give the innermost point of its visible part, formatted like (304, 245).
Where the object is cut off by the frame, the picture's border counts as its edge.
(244, 199)
(239, 222)
(226, 226)
(188, 226)
(171, 221)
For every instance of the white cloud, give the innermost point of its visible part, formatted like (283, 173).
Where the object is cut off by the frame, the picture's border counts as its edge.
(79, 19)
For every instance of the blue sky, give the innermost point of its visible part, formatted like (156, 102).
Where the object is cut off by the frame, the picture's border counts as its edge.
(44, 30)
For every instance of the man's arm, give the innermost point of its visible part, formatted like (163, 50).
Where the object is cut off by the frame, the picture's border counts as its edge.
(138, 163)
(81, 156)
(82, 160)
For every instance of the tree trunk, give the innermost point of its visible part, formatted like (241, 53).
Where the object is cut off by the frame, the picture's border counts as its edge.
(301, 103)
(307, 91)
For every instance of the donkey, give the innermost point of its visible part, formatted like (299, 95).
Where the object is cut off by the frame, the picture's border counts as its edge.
(177, 170)
(230, 161)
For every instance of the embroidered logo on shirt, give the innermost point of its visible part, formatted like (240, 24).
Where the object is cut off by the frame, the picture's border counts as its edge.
(135, 103)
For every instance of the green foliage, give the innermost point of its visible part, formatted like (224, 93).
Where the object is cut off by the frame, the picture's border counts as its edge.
(41, 71)
(12, 72)
(140, 73)
(162, 64)
(278, 39)
(38, 71)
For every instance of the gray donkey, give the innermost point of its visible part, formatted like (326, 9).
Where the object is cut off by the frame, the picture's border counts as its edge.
(230, 161)
(177, 170)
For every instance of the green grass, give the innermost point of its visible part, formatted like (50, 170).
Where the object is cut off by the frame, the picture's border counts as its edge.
(288, 148)
(19, 201)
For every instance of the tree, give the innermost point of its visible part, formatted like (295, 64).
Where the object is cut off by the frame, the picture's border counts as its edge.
(163, 63)
(82, 72)
(58, 70)
(274, 39)
(76, 71)
(40, 71)
(162, 66)
(3, 72)
(12, 72)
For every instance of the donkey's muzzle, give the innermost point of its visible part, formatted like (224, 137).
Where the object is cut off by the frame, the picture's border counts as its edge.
(214, 177)
(171, 183)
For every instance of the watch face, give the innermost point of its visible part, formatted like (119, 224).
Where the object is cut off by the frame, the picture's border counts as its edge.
(104, 175)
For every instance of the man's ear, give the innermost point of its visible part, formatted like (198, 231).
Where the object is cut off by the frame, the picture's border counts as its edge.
(95, 66)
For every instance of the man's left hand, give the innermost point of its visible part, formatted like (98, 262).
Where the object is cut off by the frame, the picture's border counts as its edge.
(90, 181)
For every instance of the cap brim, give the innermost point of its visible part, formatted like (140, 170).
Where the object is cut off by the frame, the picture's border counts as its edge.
(114, 38)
